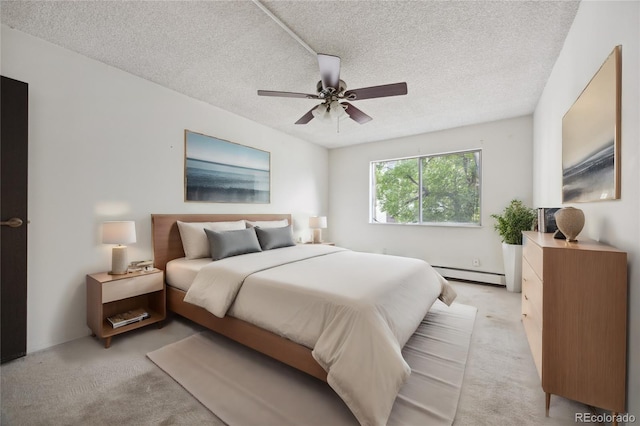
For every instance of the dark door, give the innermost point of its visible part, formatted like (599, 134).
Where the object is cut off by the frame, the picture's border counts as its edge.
(13, 216)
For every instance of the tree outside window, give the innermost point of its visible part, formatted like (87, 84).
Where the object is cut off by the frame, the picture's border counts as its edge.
(434, 189)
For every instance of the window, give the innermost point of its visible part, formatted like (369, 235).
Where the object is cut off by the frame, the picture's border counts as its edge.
(441, 189)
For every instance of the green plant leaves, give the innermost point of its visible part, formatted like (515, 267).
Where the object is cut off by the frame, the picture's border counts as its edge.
(515, 218)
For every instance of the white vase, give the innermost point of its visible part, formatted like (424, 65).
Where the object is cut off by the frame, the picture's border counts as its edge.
(512, 257)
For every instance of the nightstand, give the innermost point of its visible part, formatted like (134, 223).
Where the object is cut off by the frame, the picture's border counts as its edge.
(326, 243)
(108, 295)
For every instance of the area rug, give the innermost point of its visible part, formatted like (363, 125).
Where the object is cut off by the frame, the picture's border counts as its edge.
(243, 387)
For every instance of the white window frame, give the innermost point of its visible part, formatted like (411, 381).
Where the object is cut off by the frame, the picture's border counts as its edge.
(373, 199)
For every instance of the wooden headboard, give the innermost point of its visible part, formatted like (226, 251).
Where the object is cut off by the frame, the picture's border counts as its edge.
(166, 241)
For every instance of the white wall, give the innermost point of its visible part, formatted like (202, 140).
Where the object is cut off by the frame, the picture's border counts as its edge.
(107, 145)
(506, 174)
(597, 29)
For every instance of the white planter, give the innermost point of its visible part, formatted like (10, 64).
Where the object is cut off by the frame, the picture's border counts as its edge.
(512, 257)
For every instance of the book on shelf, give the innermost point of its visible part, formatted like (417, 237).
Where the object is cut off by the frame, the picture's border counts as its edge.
(129, 317)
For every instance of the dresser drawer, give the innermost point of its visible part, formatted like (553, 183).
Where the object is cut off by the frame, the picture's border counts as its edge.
(534, 337)
(129, 287)
(533, 254)
(532, 289)
(534, 313)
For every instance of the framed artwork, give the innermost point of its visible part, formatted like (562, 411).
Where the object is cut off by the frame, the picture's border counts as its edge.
(219, 171)
(591, 138)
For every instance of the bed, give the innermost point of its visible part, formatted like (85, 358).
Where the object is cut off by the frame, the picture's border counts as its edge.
(257, 302)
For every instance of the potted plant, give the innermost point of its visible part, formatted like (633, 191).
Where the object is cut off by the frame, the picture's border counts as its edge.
(515, 218)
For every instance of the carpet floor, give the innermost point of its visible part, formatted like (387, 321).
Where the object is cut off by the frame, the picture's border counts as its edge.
(81, 383)
(243, 387)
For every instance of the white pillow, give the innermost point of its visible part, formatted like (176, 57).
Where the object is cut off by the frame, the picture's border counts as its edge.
(269, 223)
(194, 239)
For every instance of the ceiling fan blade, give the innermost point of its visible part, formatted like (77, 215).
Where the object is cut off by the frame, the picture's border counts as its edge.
(307, 117)
(355, 114)
(394, 89)
(329, 70)
(286, 94)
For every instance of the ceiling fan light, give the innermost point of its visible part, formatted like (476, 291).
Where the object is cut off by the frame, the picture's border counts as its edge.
(336, 111)
(322, 113)
(317, 112)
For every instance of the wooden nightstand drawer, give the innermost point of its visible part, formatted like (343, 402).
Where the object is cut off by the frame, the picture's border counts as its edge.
(129, 287)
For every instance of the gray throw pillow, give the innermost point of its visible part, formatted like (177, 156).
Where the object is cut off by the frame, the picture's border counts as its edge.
(232, 243)
(273, 238)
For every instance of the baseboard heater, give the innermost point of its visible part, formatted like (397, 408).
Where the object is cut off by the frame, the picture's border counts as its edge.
(471, 275)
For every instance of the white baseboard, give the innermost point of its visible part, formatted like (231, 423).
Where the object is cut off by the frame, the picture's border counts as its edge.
(471, 275)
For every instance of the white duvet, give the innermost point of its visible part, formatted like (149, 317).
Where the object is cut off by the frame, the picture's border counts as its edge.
(355, 310)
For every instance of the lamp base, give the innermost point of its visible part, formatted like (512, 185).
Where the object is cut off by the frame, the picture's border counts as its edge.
(317, 236)
(119, 264)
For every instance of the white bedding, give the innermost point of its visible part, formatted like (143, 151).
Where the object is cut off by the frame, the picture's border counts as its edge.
(356, 310)
(182, 271)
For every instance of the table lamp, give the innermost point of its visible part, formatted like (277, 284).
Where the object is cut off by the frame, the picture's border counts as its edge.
(317, 223)
(121, 232)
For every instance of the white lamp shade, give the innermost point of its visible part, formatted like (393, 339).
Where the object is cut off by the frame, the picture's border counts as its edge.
(318, 222)
(329, 112)
(337, 111)
(321, 113)
(122, 232)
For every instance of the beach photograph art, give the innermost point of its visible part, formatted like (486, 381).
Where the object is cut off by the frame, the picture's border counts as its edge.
(218, 171)
(591, 138)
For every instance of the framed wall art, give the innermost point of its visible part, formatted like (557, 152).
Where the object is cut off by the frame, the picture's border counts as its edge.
(591, 138)
(219, 171)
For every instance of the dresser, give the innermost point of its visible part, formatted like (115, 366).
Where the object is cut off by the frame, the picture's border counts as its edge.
(574, 313)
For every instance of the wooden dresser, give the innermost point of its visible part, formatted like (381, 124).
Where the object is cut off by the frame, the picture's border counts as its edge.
(574, 312)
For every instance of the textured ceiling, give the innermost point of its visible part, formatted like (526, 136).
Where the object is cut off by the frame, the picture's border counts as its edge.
(464, 62)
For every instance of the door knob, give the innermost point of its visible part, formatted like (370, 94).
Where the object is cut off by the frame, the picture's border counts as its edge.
(14, 222)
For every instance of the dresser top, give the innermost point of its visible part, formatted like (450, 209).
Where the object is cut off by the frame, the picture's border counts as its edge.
(546, 240)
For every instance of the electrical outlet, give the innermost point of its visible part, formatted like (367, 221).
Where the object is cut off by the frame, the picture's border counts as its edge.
(475, 262)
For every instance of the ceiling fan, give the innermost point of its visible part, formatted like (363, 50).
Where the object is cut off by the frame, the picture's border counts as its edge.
(333, 93)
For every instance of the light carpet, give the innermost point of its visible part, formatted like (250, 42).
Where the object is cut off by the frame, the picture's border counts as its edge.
(244, 387)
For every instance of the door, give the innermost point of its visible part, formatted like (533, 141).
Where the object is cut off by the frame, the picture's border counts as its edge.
(13, 217)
